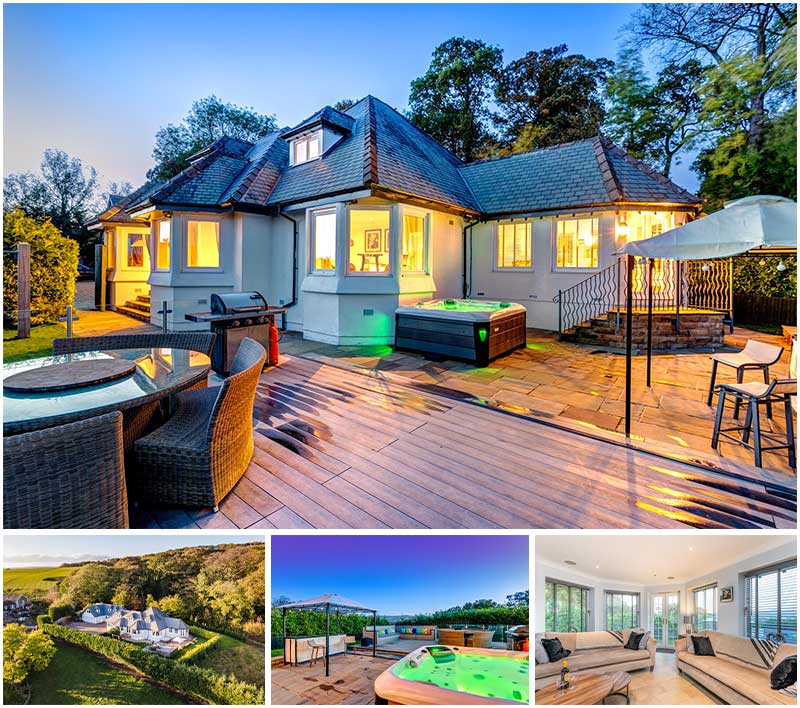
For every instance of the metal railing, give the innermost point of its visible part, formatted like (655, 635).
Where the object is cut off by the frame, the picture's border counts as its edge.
(598, 294)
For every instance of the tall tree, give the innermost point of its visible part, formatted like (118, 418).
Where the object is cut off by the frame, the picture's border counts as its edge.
(24, 652)
(208, 120)
(451, 100)
(345, 103)
(654, 121)
(550, 97)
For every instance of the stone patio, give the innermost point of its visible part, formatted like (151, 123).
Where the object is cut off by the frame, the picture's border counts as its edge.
(579, 386)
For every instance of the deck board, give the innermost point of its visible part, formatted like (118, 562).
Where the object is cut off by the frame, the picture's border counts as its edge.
(336, 448)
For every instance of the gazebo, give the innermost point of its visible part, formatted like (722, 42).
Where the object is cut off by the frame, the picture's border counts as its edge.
(326, 603)
(757, 225)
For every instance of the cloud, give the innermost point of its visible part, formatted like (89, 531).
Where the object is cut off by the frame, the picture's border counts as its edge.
(44, 559)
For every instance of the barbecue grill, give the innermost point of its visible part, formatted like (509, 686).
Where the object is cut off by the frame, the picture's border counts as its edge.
(516, 636)
(233, 317)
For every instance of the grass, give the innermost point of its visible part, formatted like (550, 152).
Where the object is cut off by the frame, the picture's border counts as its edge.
(40, 343)
(277, 652)
(34, 582)
(231, 656)
(78, 677)
(756, 327)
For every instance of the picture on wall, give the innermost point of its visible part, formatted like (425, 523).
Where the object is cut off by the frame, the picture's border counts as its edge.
(372, 240)
(726, 594)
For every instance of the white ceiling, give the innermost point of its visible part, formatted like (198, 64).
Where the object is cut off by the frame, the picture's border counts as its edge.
(650, 559)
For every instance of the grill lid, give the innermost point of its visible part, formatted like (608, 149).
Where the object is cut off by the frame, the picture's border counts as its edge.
(521, 630)
(233, 303)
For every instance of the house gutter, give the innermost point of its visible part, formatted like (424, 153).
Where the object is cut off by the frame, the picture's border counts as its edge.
(293, 301)
(465, 286)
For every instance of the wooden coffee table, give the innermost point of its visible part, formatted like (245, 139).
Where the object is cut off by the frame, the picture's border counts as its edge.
(585, 689)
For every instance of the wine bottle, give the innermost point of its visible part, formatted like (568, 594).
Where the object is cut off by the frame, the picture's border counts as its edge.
(564, 675)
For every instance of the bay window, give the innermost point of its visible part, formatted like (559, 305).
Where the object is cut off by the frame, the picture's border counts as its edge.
(566, 607)
(705, 607)
(414, 256)
(369, 252)
(137, 250)
(323, 240)
(771, 602)
(202, 244)
(576, 243)
(513, 246)
(622, 610)
(163, 239)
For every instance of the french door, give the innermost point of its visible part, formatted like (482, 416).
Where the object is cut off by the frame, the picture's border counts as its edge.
(665, 618)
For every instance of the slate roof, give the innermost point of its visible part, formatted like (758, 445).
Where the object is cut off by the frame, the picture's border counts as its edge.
(151, 619)
(103, 609)
(381, 150)
(117, 207)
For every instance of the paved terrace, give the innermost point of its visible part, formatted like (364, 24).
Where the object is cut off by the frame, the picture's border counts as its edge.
(366, 439)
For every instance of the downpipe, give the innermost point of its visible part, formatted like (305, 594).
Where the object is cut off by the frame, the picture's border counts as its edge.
(466, 282)
(293, 301)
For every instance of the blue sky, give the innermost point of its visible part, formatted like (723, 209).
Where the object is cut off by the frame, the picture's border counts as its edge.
(52, 549)
(400, 574)
(99, 80)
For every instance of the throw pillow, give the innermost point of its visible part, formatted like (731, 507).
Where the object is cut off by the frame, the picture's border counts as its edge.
(689, 644)
(555, 652)
(702, 645)
(784, 674)
(643, 640)
(633, 641)
(539, 650)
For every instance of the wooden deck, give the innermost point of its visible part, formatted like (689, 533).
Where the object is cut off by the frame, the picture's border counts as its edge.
(340, 449)
(351, 681)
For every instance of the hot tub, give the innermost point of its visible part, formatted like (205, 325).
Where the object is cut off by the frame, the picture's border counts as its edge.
(439, 675)
(468, 330)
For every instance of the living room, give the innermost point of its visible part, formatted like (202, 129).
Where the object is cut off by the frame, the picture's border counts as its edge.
(666, 619)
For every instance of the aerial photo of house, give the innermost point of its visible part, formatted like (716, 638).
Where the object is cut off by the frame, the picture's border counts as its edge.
(394, 631)
(155, 621)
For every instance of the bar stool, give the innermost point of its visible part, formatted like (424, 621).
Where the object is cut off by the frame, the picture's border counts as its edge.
(755, 355)
(753, 395)
(317, 650)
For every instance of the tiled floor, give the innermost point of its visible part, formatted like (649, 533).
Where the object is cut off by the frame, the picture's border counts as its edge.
(664, 686)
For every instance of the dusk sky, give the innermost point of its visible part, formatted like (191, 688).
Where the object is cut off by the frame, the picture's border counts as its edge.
(55, 549)
(99, 80)
(400, 574)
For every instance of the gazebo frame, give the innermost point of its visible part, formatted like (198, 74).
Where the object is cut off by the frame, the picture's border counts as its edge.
(326, 603)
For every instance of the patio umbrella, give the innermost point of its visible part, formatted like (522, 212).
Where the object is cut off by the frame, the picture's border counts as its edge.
(750, 224)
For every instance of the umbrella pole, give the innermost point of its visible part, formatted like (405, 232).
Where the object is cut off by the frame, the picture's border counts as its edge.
(283, 612)
(628, 344)
(649, 317)
(327, 639)
(375, 632)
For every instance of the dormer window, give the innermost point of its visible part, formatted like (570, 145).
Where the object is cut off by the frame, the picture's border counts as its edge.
(306, 148)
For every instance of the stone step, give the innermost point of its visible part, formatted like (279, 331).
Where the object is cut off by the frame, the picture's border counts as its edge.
(135, 314)
(137, 305)
(143, 298)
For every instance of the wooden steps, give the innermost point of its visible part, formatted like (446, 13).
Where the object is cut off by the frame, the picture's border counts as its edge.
(138, 309)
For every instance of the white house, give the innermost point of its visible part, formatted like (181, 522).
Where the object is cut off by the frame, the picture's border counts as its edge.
(99, 612)
(350, 214)
(148, 625)
(13, 601)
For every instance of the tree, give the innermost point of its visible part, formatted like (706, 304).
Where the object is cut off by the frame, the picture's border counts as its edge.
(126, 595)
(518, 599)
(90, 583)
(345, 103)
(655, 122)
(208, 120)
(550, 97)
(57, 610)
(450, 101)
(24, 652)
(174, 606)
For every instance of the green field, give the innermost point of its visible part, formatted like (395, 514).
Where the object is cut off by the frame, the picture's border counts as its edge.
(33, 582)
(230, 656)
(78, 677)
(40, 343)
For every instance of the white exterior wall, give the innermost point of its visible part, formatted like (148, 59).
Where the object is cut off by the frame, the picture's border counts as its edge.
(125, 282)
(89, 618)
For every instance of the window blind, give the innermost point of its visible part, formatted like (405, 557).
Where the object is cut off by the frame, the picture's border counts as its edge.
(771, 602)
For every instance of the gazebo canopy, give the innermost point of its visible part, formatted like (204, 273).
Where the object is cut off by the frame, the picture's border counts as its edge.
(751, 223)
(328, 601)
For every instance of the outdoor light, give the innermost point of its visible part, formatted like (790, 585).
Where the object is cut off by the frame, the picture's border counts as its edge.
(762, 262)
(781, 266)
(706, 267)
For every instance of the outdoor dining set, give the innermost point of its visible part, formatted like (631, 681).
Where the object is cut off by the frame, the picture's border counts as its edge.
(109, 421)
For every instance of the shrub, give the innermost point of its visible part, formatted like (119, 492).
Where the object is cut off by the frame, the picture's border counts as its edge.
(54, 264)
(43, 619)
(179, 675)
(60, 609)
(198, 648)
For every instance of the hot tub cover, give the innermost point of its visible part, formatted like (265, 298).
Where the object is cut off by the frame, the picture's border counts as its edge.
(473, 310)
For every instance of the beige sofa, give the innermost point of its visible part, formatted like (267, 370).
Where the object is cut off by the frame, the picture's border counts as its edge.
(739, 671)
(596, 652)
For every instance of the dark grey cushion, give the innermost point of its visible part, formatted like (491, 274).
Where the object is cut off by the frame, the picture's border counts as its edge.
(702, 645)
(555, 651)
(784, 674)
(634, 640)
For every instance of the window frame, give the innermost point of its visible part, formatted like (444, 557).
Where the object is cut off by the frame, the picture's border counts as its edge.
(715, 596)
(584, 602)
(156, 240)
(426, 228)
(304, 139)
(611, 594)
(312, 240)
(111, 246)
(554, 238)
(496, 247)
(146, 238)
(369, 274)
(754, 574)
(185, 245)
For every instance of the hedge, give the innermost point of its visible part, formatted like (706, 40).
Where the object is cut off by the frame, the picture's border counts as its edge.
(198, 648)
(43, 619)
(299, 623)
(60, 609)
(178, 675)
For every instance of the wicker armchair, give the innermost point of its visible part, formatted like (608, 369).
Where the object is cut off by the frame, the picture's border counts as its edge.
(199, 454)
(141, 420)
(68, 477)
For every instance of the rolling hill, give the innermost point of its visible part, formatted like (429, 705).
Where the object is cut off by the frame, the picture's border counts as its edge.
(34, 582)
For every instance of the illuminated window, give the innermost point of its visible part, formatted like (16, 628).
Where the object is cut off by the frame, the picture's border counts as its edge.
(137, 251)
(111, 257)
(369, 242)
(643, 225)
(514, 245)
(414, 258)
(202, 244)
(323, 240)
(162, 244)
(576, 243)
(306, 148)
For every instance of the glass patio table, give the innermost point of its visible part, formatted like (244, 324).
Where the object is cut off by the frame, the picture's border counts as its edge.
(156, 374)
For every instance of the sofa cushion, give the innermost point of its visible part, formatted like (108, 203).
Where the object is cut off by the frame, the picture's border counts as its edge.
(539, 651)
(784, 674)
(555, 651)
(702, 646)
(595, 659)
(634, 640)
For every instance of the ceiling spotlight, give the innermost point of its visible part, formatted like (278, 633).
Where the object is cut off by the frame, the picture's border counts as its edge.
(670, 577)
(691, 548)
(781, 266)
(597, 567)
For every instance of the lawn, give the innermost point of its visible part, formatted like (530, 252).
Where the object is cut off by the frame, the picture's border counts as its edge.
(231, 656)
(40, 343)
(33, 582)
(78, 677)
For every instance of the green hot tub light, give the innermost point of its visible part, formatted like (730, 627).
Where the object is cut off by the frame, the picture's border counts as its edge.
(482, 332)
